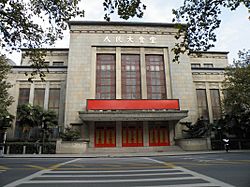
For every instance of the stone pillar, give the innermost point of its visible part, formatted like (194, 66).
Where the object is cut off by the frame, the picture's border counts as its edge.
(145, 134)
(118, 74)
(171, 128)
(46, 96)
(32, 90)
(168, 74)
(118, 134)
(209, 104)
(85, 131)
(143, 74)
(91, 134)
(93, 74)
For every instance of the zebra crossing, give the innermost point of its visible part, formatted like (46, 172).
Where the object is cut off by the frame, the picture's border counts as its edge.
(153, 177)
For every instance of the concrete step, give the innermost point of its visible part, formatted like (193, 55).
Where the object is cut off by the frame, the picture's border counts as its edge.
(134, 149)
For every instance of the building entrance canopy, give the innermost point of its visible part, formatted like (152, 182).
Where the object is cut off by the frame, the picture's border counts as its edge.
(132, 110)
(133, 115)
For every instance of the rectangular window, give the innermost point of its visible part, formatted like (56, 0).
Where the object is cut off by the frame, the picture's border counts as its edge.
(54, 99)
(202, 104)
(39, 94)
(24, 94)
(215, 102)
(131, 84)
(156, 87)
(208, 65)
(195, 65)
(58, 63)
(105, 76)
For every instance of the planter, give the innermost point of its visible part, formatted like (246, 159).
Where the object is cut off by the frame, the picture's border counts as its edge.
(194, 144)
(71, 147)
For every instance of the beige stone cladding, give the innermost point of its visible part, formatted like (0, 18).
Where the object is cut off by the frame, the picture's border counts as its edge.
(85, 40)
(209, 77)
(55, 79)
(53, 55)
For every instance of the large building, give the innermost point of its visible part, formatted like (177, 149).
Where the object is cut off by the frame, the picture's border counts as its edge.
(118, 84)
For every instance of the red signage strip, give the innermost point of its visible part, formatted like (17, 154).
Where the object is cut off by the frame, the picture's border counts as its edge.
(139, 104)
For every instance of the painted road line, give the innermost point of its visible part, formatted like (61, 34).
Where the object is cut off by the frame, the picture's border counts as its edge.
(186, 185)
(34, 175)
(108, 180)
(4, 168)
(114, 175)
(114, 171)
(204, 177)
(36, 167)
(200, 176)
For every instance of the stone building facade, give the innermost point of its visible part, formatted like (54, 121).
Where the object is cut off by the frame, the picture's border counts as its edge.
(118, 84)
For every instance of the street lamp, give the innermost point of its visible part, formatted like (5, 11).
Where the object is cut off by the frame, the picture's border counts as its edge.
(5, 124)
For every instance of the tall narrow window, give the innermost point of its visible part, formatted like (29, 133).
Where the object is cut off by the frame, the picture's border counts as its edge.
(24, 94)
(39, 97)
(105, 76)
(215, 102)
(54, 99)
(131, 84)
(156, 87)
(202, 103)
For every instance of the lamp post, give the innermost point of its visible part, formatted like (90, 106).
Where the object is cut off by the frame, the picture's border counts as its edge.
(5, 124)
(43, 133)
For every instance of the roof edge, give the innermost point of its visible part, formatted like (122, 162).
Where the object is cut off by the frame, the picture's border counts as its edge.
(120, 23)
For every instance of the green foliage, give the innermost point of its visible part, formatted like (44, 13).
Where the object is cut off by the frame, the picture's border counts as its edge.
(125, 8)
(237, 98)
(30, 116)
(196, 130)
(32, 24)
(237, 84)
(5, 99)
(202, 19)
(70, 134)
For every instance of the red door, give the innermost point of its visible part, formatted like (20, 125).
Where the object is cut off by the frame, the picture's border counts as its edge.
(105, 135)
(132, 134)
(158, 135)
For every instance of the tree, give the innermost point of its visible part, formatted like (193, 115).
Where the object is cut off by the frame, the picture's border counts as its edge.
(201, 19)
(237, 96)
(5, 99)
(29, 116)
(33, 23)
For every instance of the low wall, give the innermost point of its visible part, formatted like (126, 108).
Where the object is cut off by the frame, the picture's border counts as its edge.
(195, 144)
(71, 147)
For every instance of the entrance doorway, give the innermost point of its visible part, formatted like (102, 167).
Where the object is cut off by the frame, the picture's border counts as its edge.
(132, 134)
(105, 134)
(158, 134)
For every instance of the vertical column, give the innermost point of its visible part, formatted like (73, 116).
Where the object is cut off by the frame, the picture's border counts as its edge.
(62, 105)
(32, 90)
(46, 96)
(143, 74)
(85, 131)
(93, 73)
(209, 104)
(118, 134)
(167, 74)
(118, 73)
(145, 134)
(171, 129)
(91, 134)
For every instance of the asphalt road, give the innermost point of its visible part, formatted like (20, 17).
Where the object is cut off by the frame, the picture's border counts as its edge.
(224, 169)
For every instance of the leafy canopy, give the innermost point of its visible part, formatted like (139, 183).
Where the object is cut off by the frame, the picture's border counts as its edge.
(237, 84)
(5, 99)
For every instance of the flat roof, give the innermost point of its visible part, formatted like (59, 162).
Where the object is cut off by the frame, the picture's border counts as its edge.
(123, 23)
(47, 49)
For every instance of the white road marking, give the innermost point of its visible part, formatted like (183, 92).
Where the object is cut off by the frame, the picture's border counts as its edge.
(114, 175)
(204, 177)
(37, 174)
(113, 171)
(109, 181)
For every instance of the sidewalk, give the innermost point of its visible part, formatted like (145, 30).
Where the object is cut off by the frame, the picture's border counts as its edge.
(108, 155)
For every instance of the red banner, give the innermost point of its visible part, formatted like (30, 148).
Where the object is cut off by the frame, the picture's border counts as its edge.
(138, 104)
